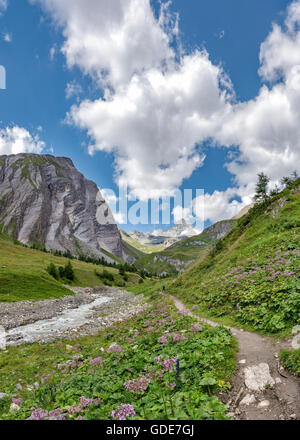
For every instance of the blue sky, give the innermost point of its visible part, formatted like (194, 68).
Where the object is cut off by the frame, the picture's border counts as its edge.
(32, 34)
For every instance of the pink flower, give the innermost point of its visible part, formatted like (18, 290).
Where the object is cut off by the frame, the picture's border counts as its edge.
(96, 361)
(163, 340)
(114, 348)
(124, 411)
(137, 386)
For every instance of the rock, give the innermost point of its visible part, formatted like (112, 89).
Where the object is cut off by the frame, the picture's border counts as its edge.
(237, 412)
(278, 380)
(248, 399)
(243, 361)
(263, 404)
(50, 202)
(230, 414)
(293, 416)
(257, 377)
(14, 407)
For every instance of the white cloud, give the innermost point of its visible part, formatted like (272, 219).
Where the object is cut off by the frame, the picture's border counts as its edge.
(181, 213)
(7, 37)
(112, 40)
(267, 132)
(3, 6)
(73, 89)
(153, 124)
(15, 140)
(280, 52)
(52, 52)
(223, 204)
(158, 105)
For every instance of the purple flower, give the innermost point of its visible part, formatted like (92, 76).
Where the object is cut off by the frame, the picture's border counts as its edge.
(137, 386)
(124, 411)
(114, 348)
(163, 340)
(96, 361)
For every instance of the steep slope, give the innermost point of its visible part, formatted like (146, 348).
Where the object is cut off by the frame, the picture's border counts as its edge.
(180, 255)
(23, 274)
(45, 200)
(252, 275)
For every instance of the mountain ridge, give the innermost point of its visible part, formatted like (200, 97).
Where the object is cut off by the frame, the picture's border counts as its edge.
(44, 199)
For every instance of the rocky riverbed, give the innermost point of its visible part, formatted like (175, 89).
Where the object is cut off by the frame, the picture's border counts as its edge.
(87, 312)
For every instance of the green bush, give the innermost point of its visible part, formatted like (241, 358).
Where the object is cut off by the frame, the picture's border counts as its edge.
(69, 272)
(105, 275)
(291, 361)
(52, 270)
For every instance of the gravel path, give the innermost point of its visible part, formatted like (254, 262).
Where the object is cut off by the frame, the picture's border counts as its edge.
(261, 389)
(87, 312)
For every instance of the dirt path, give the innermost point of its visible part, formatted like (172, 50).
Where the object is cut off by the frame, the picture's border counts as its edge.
(261, 389)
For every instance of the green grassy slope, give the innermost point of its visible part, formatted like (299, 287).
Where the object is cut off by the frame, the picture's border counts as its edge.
(23, 274)
(145, 248)
(252, 275)
(184, 251)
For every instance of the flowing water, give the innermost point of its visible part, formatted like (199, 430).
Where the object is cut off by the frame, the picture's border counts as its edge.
(67, 320)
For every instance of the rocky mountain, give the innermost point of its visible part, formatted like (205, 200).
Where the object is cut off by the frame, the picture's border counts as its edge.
(45, 200)
(178, 232)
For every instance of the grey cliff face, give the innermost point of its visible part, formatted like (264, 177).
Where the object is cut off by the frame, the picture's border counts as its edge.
(46, 200)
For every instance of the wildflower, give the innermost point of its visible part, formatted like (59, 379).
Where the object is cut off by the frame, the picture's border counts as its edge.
(17, 401)
(150, 329)
(196, 328)
(168, 364)
(124, 411)
(84, 402)
(163, 340)
(176, 337)
(43, 414)
(137, 386)
(195, 307)
(96, 361)
(114, 348)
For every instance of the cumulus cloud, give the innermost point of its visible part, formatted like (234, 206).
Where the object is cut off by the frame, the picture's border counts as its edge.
(280, 52)
(113, 40)
(160, 104)
(153, 125)
(15, 140)
(223, 204)
(73, 89)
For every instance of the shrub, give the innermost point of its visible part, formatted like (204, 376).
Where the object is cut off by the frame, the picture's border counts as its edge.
(105, 275)
(69, 272)
(52, 270)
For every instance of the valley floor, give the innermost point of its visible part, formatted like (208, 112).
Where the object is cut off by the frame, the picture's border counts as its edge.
(260, 388)
(87, 312)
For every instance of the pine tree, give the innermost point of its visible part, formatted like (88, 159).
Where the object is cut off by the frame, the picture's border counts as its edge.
(261, 189)
(69, 272)
(52, 270)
